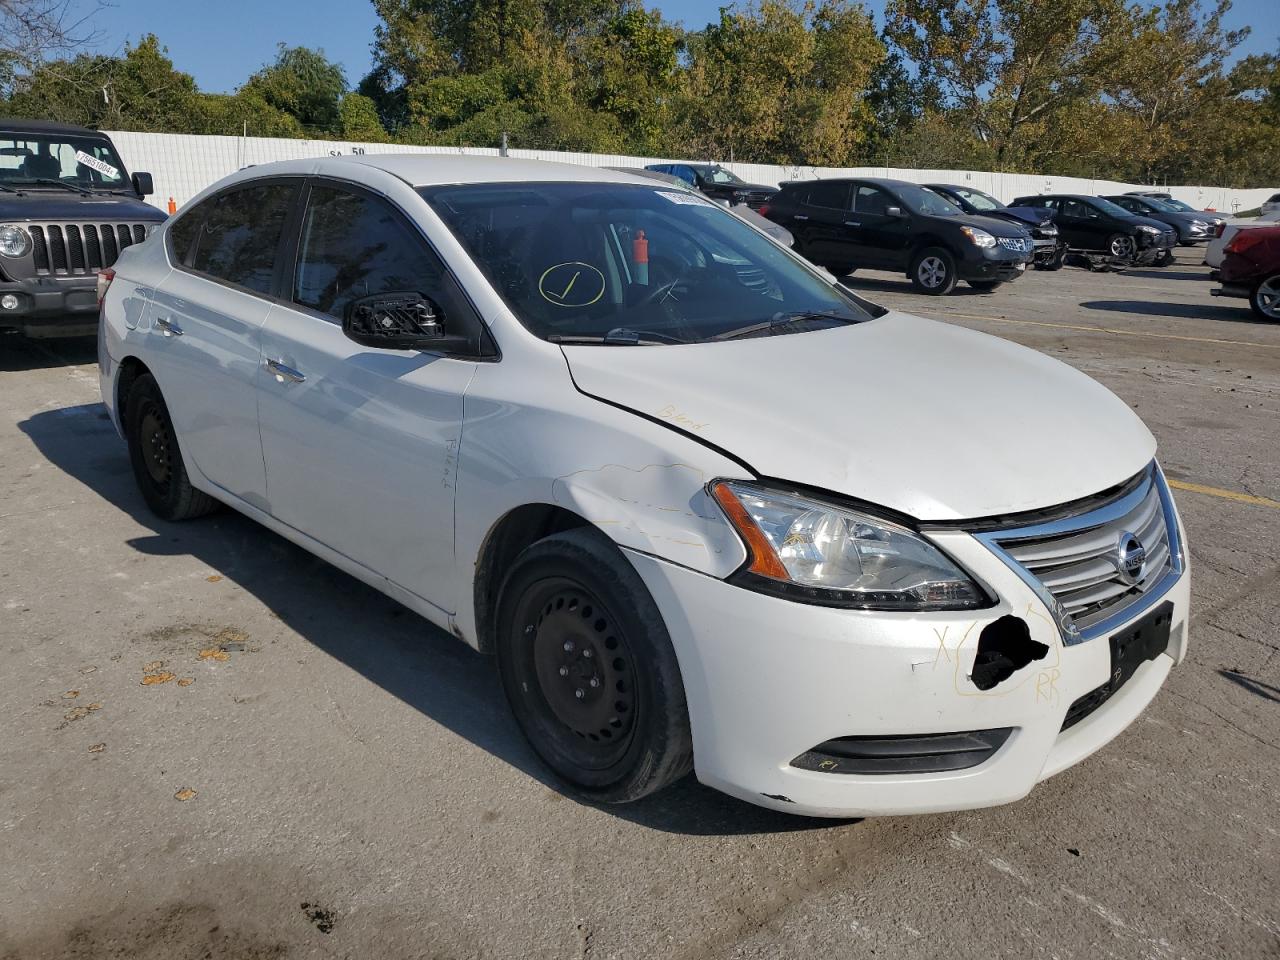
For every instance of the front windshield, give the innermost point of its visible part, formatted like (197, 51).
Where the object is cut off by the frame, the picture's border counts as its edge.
(34, 160)
(719, 175)
(979, 200)
(924, 201)
(1168, 203)
(1111, 209)
(607, 261)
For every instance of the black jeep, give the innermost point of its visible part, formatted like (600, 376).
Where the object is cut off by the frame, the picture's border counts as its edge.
(67, 209)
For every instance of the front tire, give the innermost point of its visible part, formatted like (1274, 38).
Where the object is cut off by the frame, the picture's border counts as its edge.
(984, 286)
(1265, 298)
(933, 271)
(157, 457)
(589, 670)
(1122, 245)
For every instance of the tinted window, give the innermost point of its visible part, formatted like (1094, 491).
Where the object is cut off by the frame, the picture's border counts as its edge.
(353, 246)
(830, 194)
(1074, 208)
(872, 202)
(240, 235)
(182, 234)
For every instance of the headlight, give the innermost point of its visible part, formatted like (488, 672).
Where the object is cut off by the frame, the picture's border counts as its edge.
(978, 237)
(14, 241)
(820, 553)
(1152, 230)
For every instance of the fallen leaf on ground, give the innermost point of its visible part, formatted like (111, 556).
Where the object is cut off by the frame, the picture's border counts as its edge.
(213, 579)
(71, 695)
(214, 653)
(153, 666)
(89, 669)
(79, 713)
(186, 681)
(185, 794)
(97, 747)
(151, 679)
(95, 706)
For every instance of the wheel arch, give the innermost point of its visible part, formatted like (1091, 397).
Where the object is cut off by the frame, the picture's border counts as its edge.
(128, 371)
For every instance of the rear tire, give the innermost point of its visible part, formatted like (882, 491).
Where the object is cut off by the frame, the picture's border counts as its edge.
(589, 670)
(1265, 299)
(933, 271)
(157, 457)
(840, 269)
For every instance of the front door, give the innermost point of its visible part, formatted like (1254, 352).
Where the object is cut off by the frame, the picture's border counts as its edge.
(360, 443)
(878, 238)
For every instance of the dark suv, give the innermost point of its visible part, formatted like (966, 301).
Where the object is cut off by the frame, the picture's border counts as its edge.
(1098, 225)
(67, 209)
(717, 183)
(1038, 221)
(895, 225)
(1191, 228)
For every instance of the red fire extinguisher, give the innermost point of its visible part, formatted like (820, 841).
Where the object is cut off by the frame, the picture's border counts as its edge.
(640, 259)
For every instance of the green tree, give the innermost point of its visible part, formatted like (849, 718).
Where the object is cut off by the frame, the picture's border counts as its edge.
(358, 119)
(304, 84)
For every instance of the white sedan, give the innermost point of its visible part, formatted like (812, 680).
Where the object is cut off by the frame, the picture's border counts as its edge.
(710, 510)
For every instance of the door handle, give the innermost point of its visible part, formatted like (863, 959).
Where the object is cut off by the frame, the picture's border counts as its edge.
(852, 223)
(799, 216)
(168, 327)
(284, 372)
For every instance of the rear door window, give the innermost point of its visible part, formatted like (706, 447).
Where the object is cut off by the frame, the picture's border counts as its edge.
(239, 237)
(832, 195)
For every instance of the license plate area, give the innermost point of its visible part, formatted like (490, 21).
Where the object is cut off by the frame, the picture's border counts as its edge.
(1130, 649)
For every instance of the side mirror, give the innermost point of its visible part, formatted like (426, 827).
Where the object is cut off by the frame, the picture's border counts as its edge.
(893, 211)
(142, 184)
(399, 321)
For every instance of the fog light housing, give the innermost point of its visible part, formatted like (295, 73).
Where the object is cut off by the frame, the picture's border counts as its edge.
(9, 302)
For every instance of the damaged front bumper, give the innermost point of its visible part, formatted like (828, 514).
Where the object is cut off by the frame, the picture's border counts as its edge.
(829, 712)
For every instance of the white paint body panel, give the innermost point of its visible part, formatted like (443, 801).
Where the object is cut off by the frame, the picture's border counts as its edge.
(396, 467)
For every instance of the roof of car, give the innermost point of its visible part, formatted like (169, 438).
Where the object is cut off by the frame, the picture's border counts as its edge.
(46, 126)
(425, 169)
(874, 181)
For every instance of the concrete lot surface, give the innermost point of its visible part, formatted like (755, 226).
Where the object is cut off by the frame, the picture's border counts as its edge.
(324, 775)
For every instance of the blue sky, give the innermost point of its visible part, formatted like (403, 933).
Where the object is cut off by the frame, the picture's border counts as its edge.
(221, 44)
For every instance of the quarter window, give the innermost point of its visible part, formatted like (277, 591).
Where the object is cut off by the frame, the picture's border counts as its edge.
(240, 234)
(355, 246)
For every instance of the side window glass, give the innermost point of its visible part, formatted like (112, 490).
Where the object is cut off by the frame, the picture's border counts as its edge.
(872, 202)
(240, 235)
(834, 195)
(182, 233)
(355, 246)
(1073, 208)
(686, 174)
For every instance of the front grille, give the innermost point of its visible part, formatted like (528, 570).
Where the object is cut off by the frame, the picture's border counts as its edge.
(78, 249)
(755, 199)
(1086, 565)
(1014, 243)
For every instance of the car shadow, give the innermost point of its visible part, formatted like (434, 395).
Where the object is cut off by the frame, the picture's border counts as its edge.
(19, 353)
(1264, 690)
(1183, 311)
(861, 284)
(425, 667)
(1158, 274)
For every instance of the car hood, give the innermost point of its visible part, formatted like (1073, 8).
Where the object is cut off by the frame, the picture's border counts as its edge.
(995, 225)
(64, 205)
(929, 419)
(1032, 215)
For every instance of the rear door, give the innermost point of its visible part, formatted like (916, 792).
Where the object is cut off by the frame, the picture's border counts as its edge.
(205, 327)
(361, 444)
(1076, 226)
(819, 223)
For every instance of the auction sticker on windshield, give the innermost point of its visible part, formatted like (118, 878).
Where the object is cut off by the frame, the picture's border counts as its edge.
(100, 165)
(684, 198)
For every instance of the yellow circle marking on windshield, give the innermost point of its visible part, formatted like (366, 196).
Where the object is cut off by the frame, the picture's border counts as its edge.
(571, 284)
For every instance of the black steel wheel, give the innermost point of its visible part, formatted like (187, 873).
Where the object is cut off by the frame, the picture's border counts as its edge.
(589, 671)
(156, 456)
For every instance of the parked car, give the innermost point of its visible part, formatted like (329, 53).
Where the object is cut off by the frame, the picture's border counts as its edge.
(702, 502)
(1038, 221)
(718, 183)
(844, 224)
(1251, 269)
(1271, 205)
(1098, 225)
(1225, 232)
(1191, 228)
(68, 207)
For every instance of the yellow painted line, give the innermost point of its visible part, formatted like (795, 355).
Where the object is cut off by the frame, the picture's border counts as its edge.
(1121, 333)
(1225, 494)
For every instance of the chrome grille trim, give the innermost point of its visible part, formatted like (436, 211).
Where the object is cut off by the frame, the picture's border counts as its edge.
(80, 248)
(1014, 243)
(1071, 566)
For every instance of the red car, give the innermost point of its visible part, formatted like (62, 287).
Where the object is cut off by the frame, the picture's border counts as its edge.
(1251, 269)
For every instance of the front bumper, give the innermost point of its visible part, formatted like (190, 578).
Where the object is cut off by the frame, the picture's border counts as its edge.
(999, 264)
(768, 679)
(50, 301)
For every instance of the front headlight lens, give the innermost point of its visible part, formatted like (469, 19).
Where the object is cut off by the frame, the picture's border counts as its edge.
(978, 237)
(822, 553)
(14, 241)
(1152, 230)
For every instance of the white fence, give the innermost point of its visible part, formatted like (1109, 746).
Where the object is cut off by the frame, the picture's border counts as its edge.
(183, 165)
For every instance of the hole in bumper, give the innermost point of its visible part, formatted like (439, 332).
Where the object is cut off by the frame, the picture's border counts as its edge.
(912, 753)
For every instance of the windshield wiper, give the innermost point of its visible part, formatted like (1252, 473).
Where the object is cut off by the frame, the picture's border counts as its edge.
(780, 321)
(58, 183)
(10, 189)
(618, 337)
